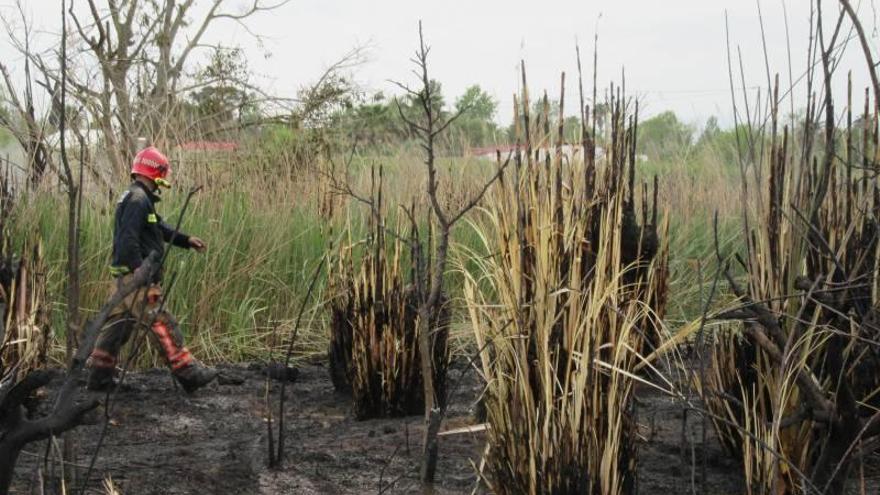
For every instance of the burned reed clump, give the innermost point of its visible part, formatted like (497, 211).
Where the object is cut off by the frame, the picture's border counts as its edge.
(565, 308)
(793, 388)
(374, 344)
(25, 335)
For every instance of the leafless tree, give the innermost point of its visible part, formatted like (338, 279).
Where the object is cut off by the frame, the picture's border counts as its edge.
(21, 118)
(431, 267)
(429, 260)
(128, 62)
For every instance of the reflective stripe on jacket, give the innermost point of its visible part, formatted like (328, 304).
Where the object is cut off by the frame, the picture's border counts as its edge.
(138, 229)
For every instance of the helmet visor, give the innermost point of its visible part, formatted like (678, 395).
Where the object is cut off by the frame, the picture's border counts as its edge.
(162, 180)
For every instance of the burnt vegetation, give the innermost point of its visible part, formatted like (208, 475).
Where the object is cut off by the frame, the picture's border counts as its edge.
(539, 282)
(793, 389)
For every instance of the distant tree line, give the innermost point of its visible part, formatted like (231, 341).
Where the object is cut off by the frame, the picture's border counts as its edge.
(373, 121)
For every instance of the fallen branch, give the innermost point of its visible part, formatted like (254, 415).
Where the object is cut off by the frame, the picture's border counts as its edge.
(68, 410)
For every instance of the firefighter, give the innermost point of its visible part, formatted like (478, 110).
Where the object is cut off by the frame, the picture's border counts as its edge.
(137, 231)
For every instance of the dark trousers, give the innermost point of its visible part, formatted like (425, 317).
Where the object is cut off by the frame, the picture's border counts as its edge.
(139, 311)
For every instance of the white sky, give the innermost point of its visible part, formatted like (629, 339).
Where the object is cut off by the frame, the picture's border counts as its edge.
(673, 51)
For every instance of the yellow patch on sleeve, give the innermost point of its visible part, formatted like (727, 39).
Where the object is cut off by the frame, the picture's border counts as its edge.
(151, 218)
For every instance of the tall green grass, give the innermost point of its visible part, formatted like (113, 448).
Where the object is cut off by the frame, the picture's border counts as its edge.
(693, 187)
(266, 231)
(236, 301)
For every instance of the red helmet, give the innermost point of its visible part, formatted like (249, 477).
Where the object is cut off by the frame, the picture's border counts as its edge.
(152, 164)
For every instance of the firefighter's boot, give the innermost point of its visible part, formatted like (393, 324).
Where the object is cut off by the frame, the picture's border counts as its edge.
(100, 380)
(194, 377)
(102, 360)
(188, 372)
(102, 367)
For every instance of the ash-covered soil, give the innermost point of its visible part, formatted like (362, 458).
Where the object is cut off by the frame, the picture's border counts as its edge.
(161, 441)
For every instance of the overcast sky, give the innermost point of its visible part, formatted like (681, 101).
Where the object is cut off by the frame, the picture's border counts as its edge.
(673, 51)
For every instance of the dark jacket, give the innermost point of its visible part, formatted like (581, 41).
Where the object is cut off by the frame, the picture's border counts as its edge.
(138, 229)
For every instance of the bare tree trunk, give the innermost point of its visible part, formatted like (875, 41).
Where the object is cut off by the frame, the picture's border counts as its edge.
(105, 118)
(74, 192)
(124, 117)
(431, 272)
(433, 418)
(123, 37)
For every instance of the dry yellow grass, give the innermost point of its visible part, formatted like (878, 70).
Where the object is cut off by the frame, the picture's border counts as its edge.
(563, 310)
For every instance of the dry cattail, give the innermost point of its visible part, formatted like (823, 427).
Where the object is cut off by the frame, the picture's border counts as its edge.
(374, 351)
(563, 310)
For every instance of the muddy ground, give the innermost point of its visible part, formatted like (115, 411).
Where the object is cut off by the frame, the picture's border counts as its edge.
(161, 441)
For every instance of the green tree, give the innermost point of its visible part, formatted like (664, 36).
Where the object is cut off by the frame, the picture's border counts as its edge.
(722, 143)
(664, 137)
(478, 103)
(476, 125)
(222, 96)
(411, 107)
(711, 131)
(372, 123)
(571, 127)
